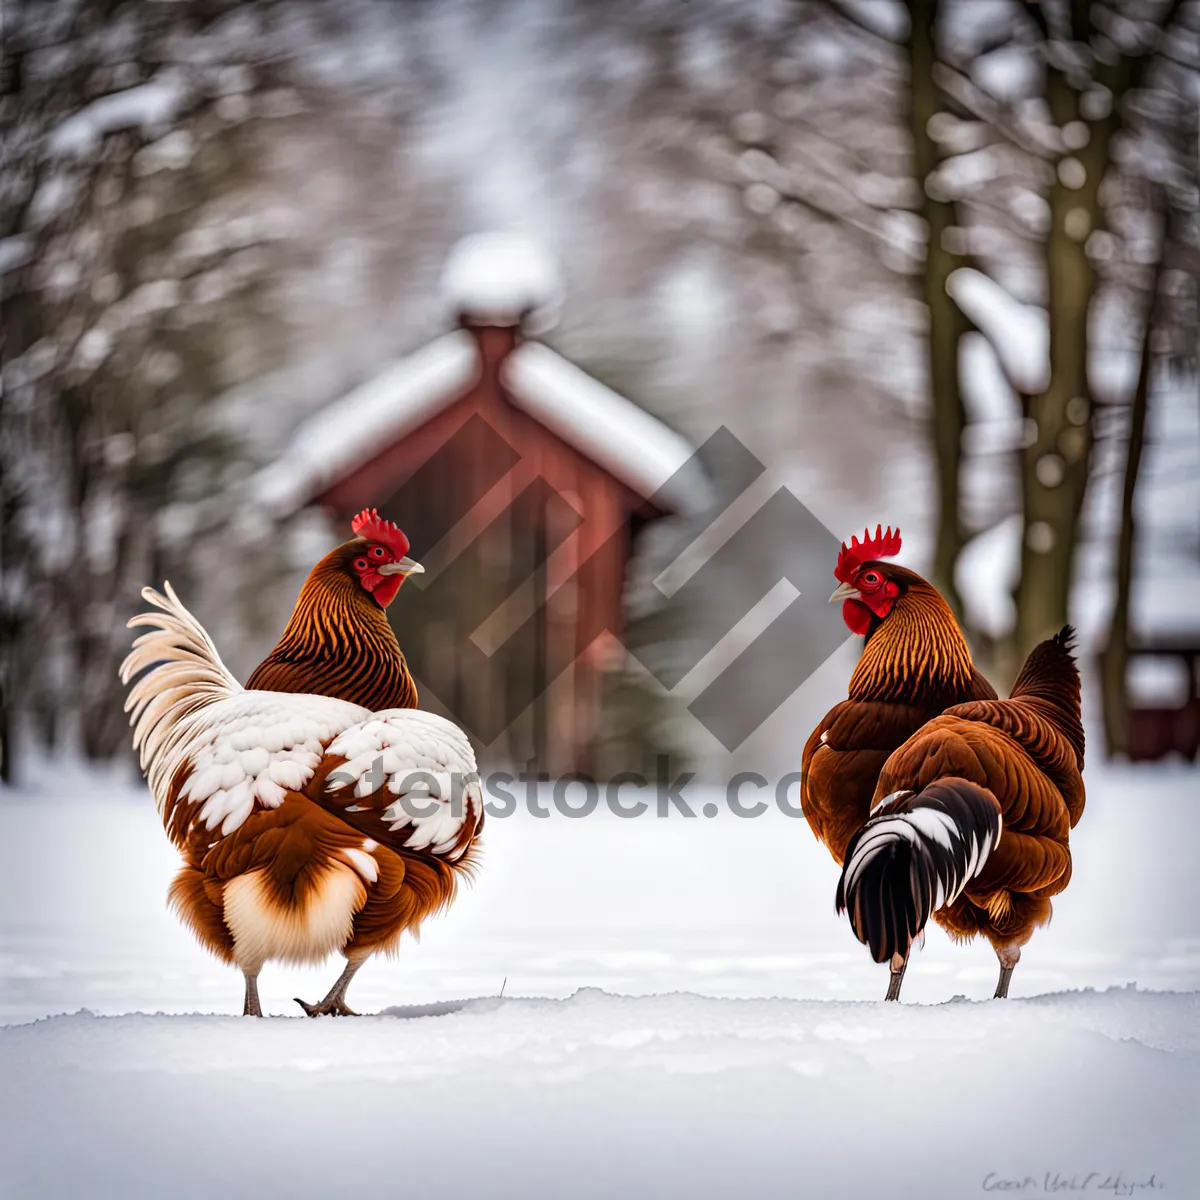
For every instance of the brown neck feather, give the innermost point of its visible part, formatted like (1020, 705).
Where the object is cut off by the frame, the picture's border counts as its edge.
(338, 643)
(917, 653)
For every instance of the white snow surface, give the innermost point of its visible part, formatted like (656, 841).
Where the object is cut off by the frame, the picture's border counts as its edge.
(603, 1095)
(724, 906)
(1019, 332)
(502, 278)
(684, 1014)
(1159, 682)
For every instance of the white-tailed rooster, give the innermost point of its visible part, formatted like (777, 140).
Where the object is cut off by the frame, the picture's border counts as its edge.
(316, 809)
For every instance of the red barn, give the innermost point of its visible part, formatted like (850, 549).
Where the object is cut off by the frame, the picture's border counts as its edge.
(521, 482)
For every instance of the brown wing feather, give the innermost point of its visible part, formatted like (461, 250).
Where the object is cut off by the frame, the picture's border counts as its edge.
(985, 743)
(839, 773)
(292, 848)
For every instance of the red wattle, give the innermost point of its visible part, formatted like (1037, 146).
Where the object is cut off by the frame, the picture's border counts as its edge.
(385, 590)
(856, 615)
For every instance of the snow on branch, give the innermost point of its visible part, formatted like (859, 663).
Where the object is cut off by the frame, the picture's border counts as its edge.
(15, 252)
(1020, 333)
(887, 19)
(151, 106)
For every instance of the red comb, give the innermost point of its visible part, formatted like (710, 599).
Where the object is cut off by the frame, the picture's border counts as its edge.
(370, 525)
(882, 545)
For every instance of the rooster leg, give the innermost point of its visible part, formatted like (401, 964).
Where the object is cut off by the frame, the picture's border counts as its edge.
(251, 1008)
(1009, 956)
(335, 1003)
(899, 966)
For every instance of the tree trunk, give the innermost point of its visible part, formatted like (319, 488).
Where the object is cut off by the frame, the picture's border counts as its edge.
(6, 742)
(1116, 650)
(1054, 466)
(946, 322)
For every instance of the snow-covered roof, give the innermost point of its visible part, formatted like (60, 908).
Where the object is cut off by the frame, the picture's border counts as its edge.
(385, 408)
(627, 441)
(624, 439)
(503, 279)
(1019, 332)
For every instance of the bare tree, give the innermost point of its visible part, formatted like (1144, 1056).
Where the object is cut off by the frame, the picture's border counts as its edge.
(1094, 59)
(158, 278)
(1116, 651)
(946, 321)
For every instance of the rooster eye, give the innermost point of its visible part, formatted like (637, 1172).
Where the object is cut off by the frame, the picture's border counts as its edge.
(871, 578)
(361, 564)
(378, 551)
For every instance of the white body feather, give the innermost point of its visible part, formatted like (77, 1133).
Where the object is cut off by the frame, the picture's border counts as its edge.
(245, 749)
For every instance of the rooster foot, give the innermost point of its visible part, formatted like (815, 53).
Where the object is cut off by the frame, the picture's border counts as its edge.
(252, 1006)
(334, 1005)
(331, 1006)
(1009, 956)
(899, 965)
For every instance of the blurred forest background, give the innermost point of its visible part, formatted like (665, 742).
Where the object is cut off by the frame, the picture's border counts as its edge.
(934, 263)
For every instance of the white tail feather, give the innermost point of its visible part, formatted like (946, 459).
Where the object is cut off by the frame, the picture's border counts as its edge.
(227, 750)
(187, 675)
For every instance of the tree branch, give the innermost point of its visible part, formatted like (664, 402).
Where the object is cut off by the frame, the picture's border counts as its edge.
(982, 107)
(838, 10)
(1037, 14)
(1128, 73)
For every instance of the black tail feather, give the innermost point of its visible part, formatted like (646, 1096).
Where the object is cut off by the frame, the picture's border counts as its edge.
(1053, 659)
(1051, 677)
(914, 856)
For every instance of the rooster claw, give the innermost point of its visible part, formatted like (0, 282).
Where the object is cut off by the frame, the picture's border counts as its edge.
(327, 1008)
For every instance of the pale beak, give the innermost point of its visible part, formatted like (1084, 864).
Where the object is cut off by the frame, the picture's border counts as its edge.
(845, 591)
(406, 566)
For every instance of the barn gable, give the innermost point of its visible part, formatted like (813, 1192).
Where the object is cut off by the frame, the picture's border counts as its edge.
(596, 422)
(521, 482)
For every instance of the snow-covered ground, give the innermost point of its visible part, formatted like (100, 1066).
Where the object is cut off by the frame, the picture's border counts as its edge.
(725, 906)
(683, 1014)
(603, 1095)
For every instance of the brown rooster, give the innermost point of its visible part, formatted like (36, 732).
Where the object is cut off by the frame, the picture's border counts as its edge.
(972, 819)
(915, 664)
(315, 810)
